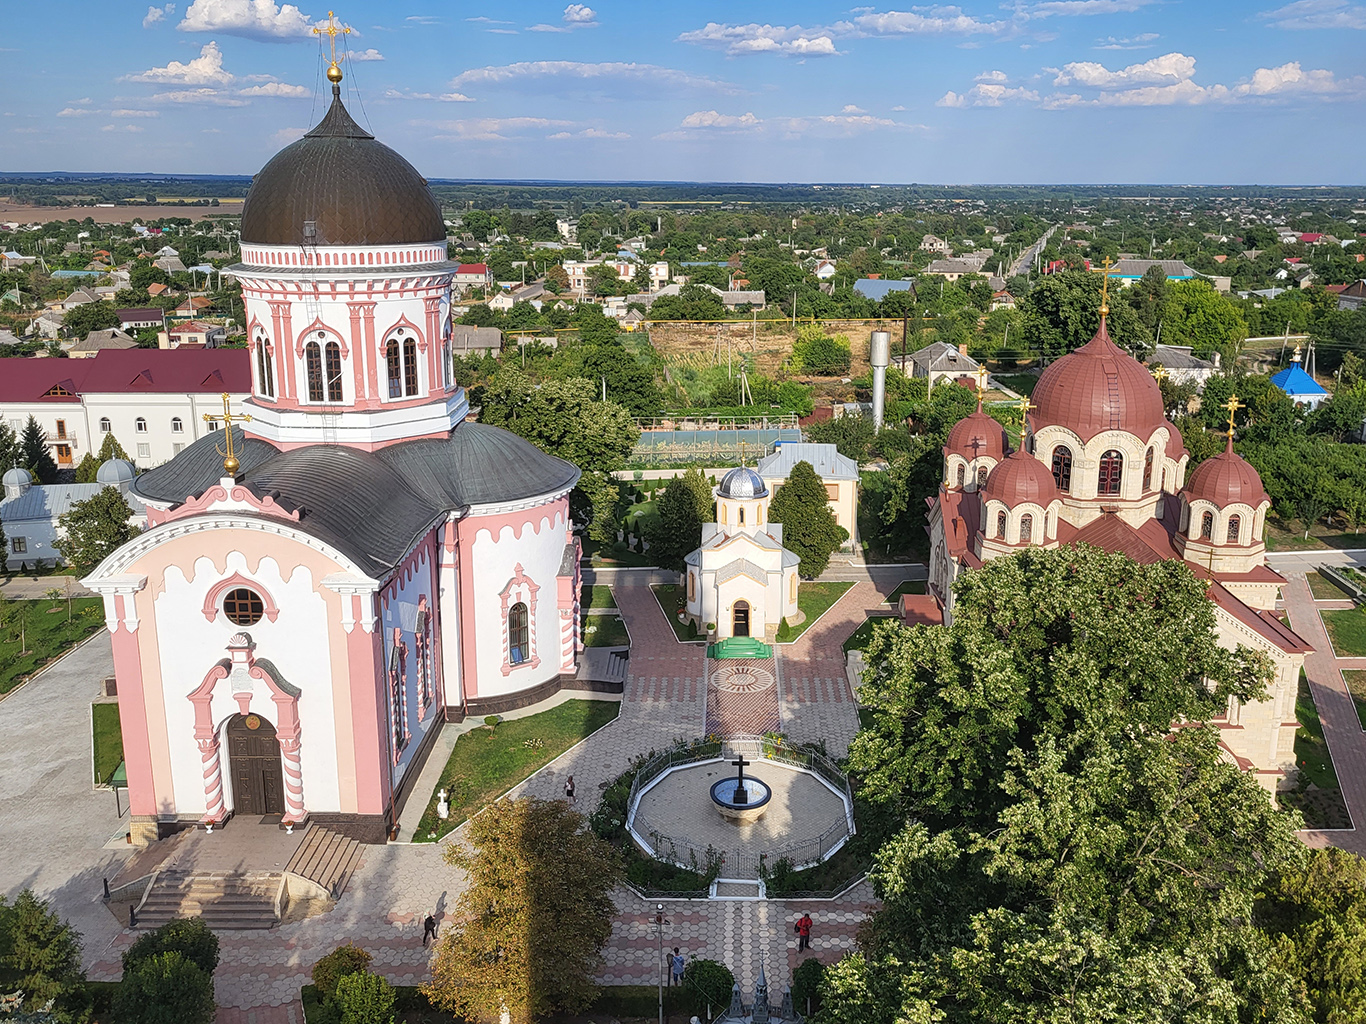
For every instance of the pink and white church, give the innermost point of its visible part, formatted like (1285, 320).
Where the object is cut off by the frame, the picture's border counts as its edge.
(324, 584)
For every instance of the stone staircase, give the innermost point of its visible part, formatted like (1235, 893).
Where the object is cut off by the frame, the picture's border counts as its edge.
(224, 900)
(739, 647)
(604, 665)
(327, 859)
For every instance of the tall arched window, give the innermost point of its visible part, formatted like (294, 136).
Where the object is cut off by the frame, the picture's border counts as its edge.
(410, 367)
(962, 475)
(1235, 527)
(742, 515)
(1111, 473)
(1207, 526)
(1148, 470)
(1001, 525)
(1062, 468)
(981, 477)
(519, 638)
(1026, 528)
(265, 373)
(313, 371)
(140, 425)
(334, 372)
(394, 367)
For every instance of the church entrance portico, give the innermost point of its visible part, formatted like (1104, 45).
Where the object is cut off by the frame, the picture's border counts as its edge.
(255, 766)
(740, 619)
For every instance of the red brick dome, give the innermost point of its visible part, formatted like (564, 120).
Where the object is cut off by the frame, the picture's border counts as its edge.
(1226, 479)
(1098, 387)
(977, 434)
(1018, 479)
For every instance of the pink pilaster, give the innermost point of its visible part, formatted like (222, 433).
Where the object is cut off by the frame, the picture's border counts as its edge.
(137, 744)
(368, 701)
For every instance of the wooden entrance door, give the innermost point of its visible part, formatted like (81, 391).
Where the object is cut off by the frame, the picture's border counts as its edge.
(254, 761)
(740, 619)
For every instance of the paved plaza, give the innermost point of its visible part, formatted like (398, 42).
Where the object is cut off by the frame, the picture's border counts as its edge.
(46, 794)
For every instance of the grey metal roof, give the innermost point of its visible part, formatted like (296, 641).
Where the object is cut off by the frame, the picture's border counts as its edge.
(825, 459)
(371, 505)
(1178, 357)
(943, 356)
(48, 501)
(742, 567)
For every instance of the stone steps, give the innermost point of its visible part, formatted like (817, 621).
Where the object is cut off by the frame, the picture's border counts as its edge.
(327, 859)
(223, 900)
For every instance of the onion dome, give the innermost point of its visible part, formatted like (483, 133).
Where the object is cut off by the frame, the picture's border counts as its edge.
(1018, 479)
(338, 186)
(1098, 387)
(741, 484)
(115, 473)
(975, 435)
(1226, 479)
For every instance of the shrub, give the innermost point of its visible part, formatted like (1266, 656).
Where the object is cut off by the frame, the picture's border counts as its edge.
(364, 998)
(492, 721)
(710, 983)
(342, 961)
(190, 937)
(806, 985)
(784, 631)
(165, 988)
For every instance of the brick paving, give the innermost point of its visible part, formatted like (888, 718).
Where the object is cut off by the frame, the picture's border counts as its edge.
(742, 697)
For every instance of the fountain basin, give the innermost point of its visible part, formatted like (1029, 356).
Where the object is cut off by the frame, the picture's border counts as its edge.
(757, 795)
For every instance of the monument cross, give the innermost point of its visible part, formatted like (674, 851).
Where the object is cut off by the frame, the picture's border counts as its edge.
(741, 794)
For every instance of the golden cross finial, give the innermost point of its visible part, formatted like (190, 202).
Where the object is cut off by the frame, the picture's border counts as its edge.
(1296, 357)
(981, 383)
(1160, 374)
(1024, 407)
(1232, 405)
(230, 463)
(1105, 288)
(334, 72)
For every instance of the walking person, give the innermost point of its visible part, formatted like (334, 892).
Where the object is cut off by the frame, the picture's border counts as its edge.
(428, 930)
(569, 789)
(678, 963)
(803, 930)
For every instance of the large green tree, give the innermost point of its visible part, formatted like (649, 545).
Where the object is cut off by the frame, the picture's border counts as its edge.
(36, 454)
(94, 528)
(1194, 314)
(111, 449)
(682, 509)
(89, 316)
(165, 988)
(809, 528)
(40, 954)
(532, 924)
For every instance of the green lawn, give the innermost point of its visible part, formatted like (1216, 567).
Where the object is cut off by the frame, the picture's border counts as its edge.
(605, 631)
(814, 600)
(859, 638)
(1356, 686)
(906, 587)
(107, 739)
(1022, 383)
(46, 632)
(598, 596)
(486, 763)
(1325, 589)
(673, 599)
(1347, 630)
(1288, 535)
(1311, 750)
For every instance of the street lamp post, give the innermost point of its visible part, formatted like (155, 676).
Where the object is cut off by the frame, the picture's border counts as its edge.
(659, 935)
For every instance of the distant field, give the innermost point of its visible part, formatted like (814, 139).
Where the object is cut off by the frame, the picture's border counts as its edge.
(24, 213)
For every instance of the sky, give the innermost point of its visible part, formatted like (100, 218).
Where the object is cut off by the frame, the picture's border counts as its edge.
(1023, 91)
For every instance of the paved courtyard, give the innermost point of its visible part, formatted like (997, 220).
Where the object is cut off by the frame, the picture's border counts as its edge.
(59, 828)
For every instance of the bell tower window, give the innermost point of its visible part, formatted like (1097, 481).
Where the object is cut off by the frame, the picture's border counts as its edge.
(400, 360)
(1062, 468)
(265, 373)
(1026, 528)
(313, 371)
(1207, 526)
(334, 372)
(1111, 473)
(962, 475)
(409, 367)
(1001, 525)
(1148, 470)
(393, 362)
(1235, 527)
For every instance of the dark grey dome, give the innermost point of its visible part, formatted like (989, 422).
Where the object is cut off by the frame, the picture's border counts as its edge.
(351, 188)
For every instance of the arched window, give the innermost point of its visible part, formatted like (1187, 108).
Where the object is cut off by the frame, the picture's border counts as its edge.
(395, 369)
(1235, 527)
(692, 586)
(1026, 528)
(410, 367)
(140, 425)
(265, 372)
(1062, 468)
(981, 477)
(334, 372)
(105, 425)
(1111, 473)
(446, 363)
(1148, 470)
(519, 642)
(742, 515)
(1207, 526)
(177, 426)
(313, 367)
(962, 475)
(1001, 525)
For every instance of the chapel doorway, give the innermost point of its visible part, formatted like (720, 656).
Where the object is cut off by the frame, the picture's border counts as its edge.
(740, 619)
(254, 763)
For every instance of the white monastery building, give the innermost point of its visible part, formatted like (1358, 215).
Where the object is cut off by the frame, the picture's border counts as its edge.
(1102, 465)
(351, 563)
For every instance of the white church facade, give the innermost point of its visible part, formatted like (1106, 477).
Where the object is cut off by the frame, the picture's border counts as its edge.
(350, 563)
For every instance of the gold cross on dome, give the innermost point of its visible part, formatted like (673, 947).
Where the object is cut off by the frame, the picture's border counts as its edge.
(1105, 287)
(331, 32)
(981, 383)
(230, 463)
(1160, 374)
(1024, 408)
(1232, 405)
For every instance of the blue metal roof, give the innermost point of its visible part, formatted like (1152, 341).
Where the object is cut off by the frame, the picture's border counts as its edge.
(1294, 381)
(878, 289)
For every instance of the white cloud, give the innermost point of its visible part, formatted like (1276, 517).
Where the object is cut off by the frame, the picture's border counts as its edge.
(591, 133)
(274, 89)
(427, 19)
(935, 21)
(795, 40)
(124, 112)
(205, 69)
(444, 97)
(848, 122)
(75, 112)
(849, 108)
(255, 19)
(988, 94)
(1291, 78)
(155, 14)
(1139, 42)
(209, 96)
(714, 119)
(359, 56)
(575, 16)
(497, 128)
(753, 38)
(1168, 69)
(1080, 8)
(567, 69)
(992, 76)
(131, 128)
(1311, 14)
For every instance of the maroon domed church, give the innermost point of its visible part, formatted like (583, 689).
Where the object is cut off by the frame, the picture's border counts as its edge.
(1099, 463)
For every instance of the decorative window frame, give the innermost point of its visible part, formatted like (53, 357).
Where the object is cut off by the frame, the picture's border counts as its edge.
(213, 599)
(522, 589)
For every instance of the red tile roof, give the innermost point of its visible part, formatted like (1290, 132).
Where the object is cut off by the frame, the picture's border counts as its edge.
(204, 371)
(472, 268)
(921, 610)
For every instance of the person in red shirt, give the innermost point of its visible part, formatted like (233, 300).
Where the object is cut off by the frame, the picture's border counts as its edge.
(803, 930)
